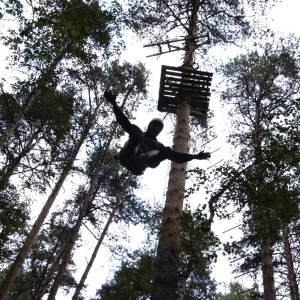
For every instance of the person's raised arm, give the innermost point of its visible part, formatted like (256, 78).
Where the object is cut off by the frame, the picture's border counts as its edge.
(120, 116)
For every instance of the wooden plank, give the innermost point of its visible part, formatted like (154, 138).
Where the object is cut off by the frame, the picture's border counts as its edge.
(195, 101)
(202, 105)
(185, 70)
(195, 90)
(189, 75)
(188, 82)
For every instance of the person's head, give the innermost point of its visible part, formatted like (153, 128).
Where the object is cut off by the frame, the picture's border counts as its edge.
(155, 127)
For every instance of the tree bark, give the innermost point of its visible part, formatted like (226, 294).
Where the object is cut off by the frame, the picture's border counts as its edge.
(294, 291)
(166, 264)
(266, 248)
(267, 270)
(50, 275)
(74, 233)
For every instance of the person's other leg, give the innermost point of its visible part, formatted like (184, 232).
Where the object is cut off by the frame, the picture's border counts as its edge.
(155, 157)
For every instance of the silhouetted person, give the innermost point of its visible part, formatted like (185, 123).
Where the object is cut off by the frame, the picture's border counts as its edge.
(142, 150)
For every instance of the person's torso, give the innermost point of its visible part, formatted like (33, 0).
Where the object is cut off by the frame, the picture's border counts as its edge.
(150, 143)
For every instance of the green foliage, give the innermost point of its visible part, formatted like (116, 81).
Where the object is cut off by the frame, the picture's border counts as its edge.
(9, 107)
(263, 86)
(114, 75)
(53, 111)
(131, 281)
(238, 292)
(226, 22)
(13, 218)
(222, 26)
(41, 138)
(262, 89)
(131, 209)
(58, 46)
(198, 250)
(35, 268)
(59, 28)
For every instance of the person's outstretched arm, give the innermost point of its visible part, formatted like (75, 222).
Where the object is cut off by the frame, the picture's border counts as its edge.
(167, 153)
(180, 157)
(120, 116)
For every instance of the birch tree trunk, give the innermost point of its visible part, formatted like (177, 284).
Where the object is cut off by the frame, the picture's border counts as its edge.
(18, 263)
(292, 279)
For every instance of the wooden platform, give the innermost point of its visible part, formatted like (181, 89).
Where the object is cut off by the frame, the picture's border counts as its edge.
(181, 84)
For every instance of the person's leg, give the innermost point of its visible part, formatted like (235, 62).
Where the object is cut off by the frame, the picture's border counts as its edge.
(129, 158)
(155, 157)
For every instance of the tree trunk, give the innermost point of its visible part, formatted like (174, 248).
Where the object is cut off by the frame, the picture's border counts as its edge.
(165, 279)
(50, 274)
(18, 263)
(267, 270)
(294, 291)
(74, 233)
(65, 259)
(100, 240)
(87, 201)
(166, 264)
(265, 248)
